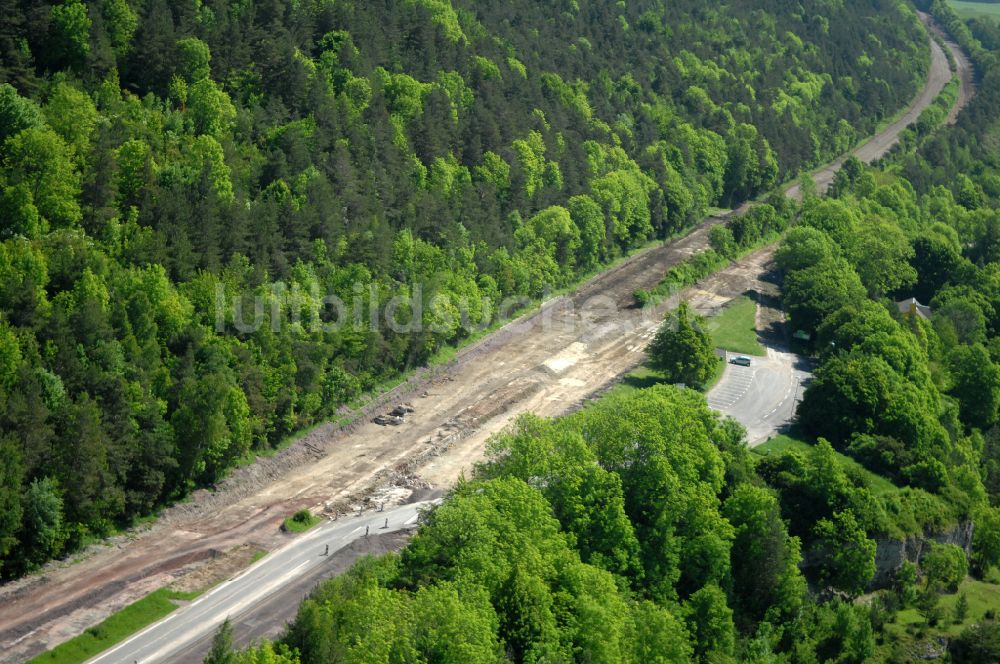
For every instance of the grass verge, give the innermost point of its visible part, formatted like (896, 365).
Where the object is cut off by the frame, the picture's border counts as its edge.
(300, 522)
(115, 628)
(735, 328)
(643, 376)
(717, 370)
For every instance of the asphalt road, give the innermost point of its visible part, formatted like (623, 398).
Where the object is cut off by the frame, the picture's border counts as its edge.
(168, 639)
(511, 371)
(269, 617)
(763, 396)
(938, 75)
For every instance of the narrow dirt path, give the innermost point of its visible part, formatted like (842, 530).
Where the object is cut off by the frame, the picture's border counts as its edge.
(547, 363)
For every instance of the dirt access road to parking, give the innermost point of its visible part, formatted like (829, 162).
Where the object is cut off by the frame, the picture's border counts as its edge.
(547, 363)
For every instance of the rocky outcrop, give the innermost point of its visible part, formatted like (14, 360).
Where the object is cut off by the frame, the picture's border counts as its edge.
(891, 553)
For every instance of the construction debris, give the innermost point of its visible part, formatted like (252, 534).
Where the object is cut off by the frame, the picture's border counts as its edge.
(402, 409)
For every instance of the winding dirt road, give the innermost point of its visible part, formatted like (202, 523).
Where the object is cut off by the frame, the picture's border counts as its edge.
(547, 363)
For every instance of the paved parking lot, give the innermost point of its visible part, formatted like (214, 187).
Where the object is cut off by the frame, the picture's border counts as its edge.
(733, 387)
(763, 396)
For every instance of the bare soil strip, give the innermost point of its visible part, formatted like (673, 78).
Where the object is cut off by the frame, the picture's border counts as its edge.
(547, 363)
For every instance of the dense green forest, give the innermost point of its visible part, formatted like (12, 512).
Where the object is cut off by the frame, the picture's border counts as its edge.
(642, 528)
(167, 164)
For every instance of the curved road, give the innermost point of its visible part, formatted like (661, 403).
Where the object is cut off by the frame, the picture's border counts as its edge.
(938, 76)
(546, 363)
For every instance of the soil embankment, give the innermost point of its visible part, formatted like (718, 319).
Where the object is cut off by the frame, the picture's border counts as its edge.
(547, 363)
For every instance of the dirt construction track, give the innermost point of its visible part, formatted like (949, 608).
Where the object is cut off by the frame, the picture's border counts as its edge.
(547, 364)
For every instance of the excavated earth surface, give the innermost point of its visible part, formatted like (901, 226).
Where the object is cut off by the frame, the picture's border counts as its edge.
(548, 363)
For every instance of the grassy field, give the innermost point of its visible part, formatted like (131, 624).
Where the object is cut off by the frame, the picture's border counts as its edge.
(907, 630)
(735, 328)
(115, 628)
(975, 9)
(879, 485)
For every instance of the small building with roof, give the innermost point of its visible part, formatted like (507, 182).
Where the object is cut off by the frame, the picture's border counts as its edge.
(911, 306)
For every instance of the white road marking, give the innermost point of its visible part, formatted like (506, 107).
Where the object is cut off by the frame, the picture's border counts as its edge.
(192, 622)
(208, 624)
(746, 393)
